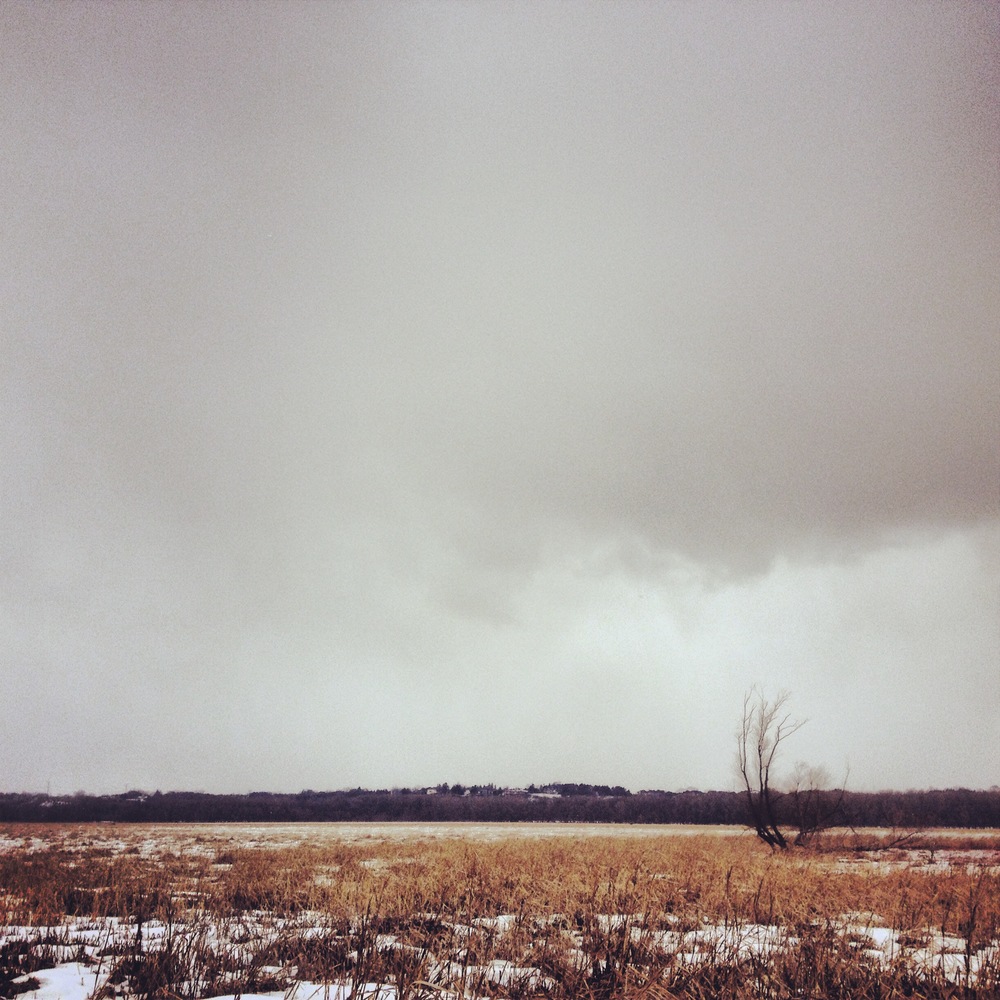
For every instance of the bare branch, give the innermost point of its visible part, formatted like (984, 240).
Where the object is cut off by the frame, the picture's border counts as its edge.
(764, 726)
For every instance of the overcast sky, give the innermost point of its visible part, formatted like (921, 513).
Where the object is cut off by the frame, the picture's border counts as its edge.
(396, 393)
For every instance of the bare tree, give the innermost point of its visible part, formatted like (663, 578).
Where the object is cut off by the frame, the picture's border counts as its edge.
(813, 804)
(764, 727)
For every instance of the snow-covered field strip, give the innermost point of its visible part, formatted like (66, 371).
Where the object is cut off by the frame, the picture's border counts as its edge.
(415, 910)
(152, 839)
(87, 959)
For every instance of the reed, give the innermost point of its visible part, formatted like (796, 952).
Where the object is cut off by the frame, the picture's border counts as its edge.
(162, 915)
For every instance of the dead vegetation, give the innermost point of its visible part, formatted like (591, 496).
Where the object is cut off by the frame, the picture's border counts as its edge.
(155, 916)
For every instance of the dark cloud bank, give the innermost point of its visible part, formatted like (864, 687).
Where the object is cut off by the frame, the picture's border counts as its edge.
(491, 393)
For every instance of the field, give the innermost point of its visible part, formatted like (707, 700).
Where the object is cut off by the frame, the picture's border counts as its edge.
(450, 910)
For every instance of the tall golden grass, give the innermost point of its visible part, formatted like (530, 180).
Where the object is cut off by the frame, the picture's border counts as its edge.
(598, 917)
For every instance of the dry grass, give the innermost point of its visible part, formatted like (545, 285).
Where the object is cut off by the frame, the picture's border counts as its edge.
(598, 917)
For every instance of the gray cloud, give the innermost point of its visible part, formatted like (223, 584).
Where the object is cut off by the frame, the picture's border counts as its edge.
(335, 337)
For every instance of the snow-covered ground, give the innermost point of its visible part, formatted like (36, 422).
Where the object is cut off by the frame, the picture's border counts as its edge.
(75, 981)
(85, 955)
(204, 838)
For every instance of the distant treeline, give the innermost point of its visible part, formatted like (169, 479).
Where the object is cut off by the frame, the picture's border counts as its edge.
(956, 807)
